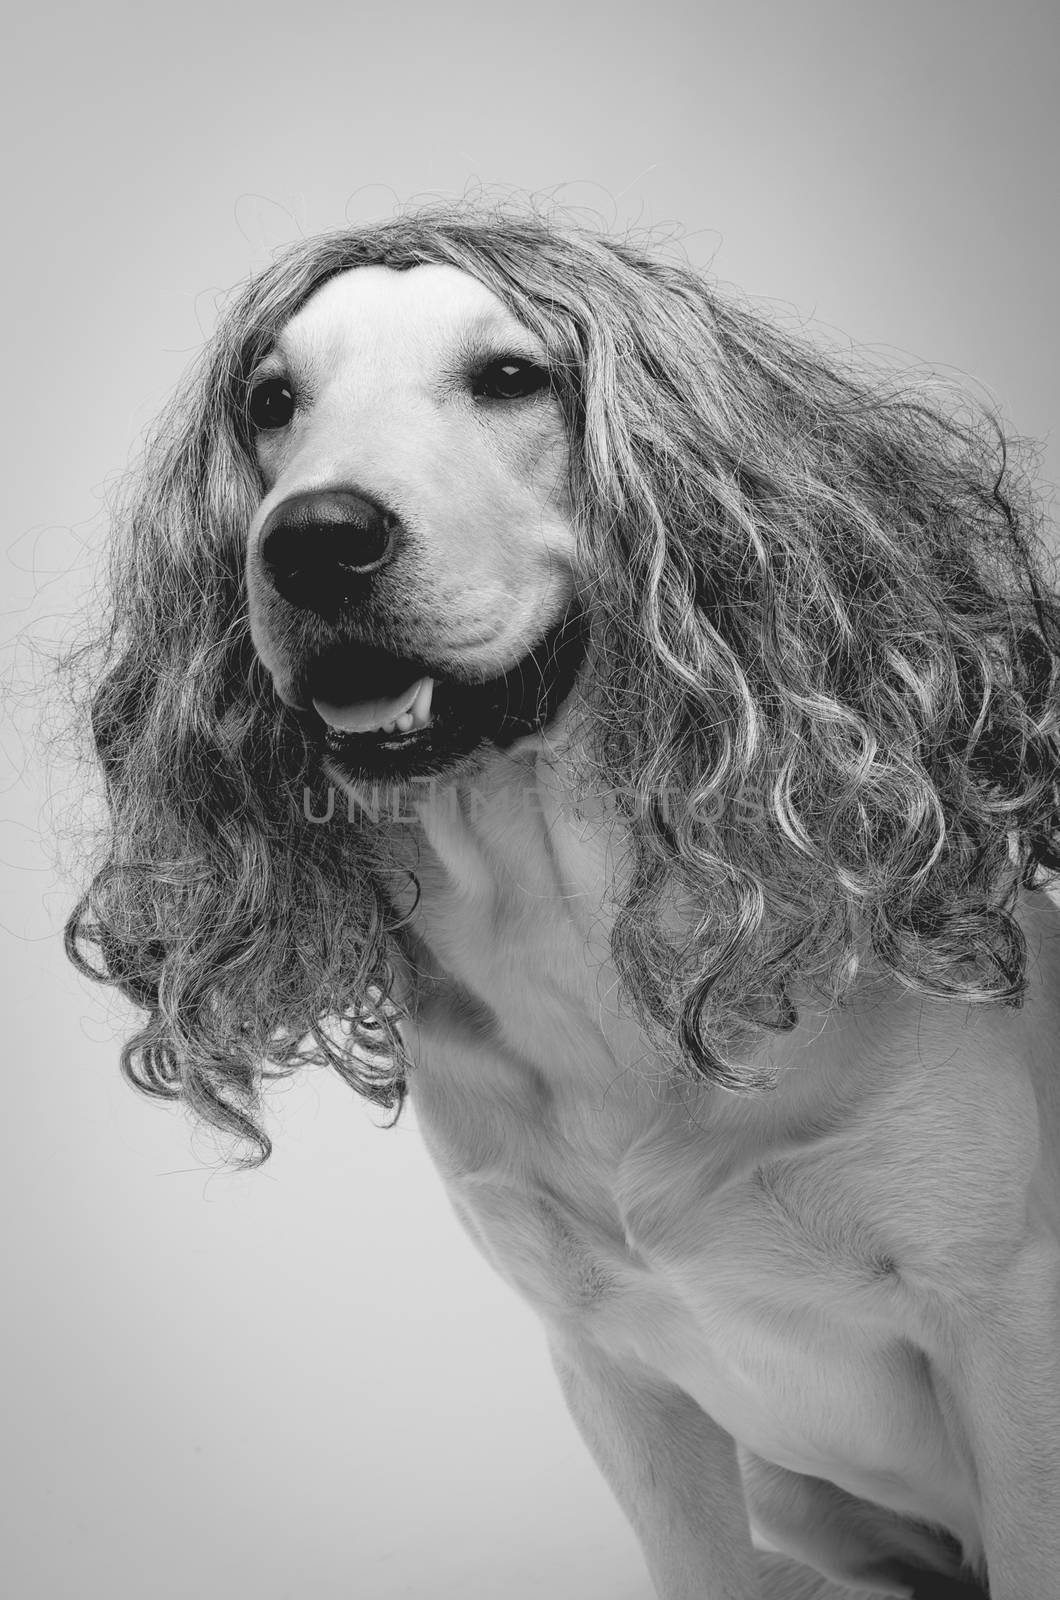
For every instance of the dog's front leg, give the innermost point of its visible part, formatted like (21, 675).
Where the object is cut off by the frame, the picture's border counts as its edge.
(672, 1469)
(1008, 1377)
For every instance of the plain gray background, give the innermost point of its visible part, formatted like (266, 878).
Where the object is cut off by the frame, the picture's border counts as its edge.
(304, 1384)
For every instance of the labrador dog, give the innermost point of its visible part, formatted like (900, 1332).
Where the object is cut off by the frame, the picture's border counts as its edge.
(538, 686)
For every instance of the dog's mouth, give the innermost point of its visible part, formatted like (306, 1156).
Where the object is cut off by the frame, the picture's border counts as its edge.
(408, 717)
(404, 713)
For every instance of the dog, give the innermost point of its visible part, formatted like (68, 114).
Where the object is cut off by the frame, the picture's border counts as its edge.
(538, 686)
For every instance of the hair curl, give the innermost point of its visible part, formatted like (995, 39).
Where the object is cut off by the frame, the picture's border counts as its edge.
(823, 692)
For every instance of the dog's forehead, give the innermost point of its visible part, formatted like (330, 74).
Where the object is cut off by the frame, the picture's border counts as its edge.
(377, 309)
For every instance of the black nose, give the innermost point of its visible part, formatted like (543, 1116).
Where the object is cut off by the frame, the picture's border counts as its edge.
(319, 547)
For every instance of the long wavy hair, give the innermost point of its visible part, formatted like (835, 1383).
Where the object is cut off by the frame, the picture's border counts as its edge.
(822, 689)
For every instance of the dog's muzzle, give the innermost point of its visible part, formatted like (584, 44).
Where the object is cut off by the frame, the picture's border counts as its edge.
(378, 711)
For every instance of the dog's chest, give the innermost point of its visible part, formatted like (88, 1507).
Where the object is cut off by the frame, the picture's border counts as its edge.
(650, 1217)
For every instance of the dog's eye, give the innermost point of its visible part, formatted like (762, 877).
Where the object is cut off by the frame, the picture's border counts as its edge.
(270, 403)
(509, 378)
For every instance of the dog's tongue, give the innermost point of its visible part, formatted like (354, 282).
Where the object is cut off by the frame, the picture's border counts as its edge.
(364, 716)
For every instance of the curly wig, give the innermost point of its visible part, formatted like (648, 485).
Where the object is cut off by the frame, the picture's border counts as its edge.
(822, 696)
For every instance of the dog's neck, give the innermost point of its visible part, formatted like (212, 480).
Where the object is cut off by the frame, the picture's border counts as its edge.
(517, 896)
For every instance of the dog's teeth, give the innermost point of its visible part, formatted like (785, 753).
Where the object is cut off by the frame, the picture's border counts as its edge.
(404, 722)
(421, 707)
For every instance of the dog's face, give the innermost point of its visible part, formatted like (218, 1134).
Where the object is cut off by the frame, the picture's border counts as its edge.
(410, 566)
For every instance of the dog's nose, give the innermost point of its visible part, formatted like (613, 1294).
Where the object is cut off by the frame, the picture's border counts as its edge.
(318, 547)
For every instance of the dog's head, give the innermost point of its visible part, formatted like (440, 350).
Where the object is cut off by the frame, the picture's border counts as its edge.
(433, 473)
(410, 565)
